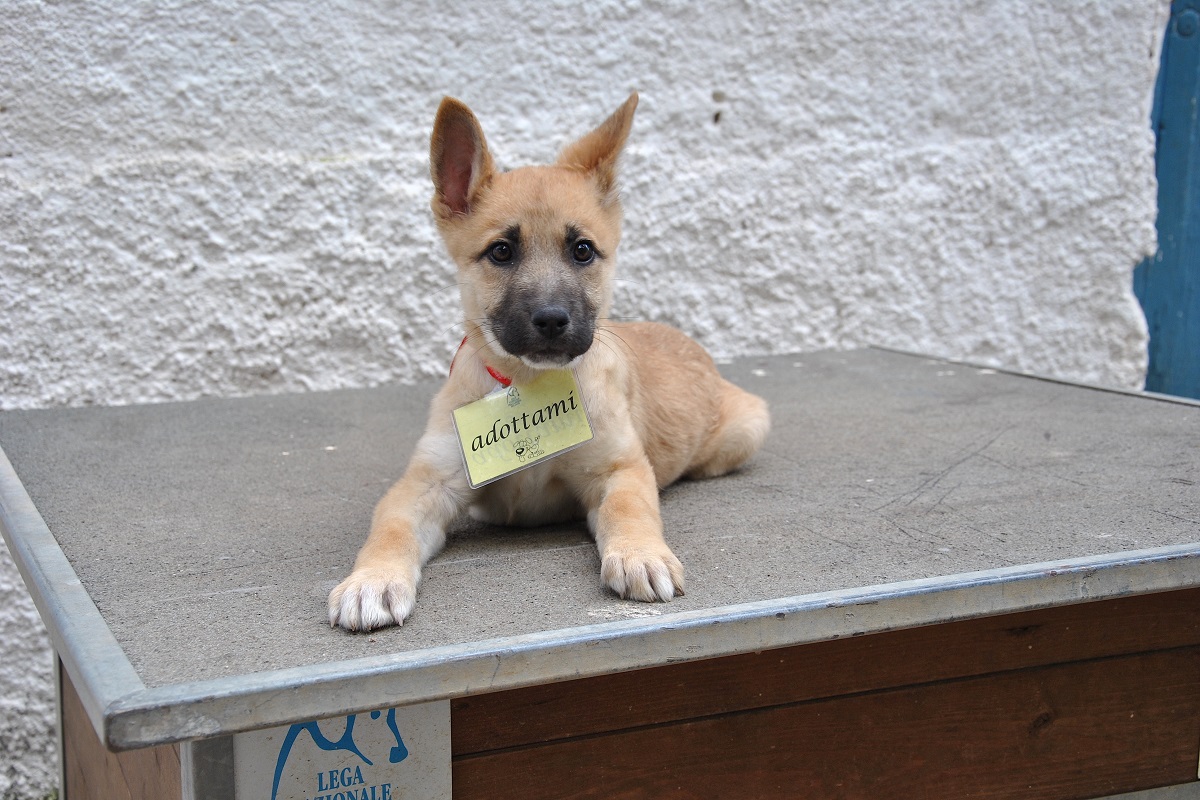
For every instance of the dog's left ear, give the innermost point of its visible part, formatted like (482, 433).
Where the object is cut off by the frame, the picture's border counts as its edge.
(597, 152)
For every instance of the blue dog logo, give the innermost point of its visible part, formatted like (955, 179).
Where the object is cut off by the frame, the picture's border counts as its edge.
(347, 776)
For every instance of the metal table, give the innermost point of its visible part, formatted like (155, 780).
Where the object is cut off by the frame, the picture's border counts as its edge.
(180, 555)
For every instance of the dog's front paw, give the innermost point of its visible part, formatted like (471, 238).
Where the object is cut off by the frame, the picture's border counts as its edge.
(645, 575)
(372, 597)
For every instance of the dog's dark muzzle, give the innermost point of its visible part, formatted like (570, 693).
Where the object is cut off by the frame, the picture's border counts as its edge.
(553, 331)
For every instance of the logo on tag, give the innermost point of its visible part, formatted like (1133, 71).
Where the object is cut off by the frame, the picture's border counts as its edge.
(516, 428)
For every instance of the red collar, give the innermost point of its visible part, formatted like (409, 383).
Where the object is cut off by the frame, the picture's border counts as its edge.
(503, 380)
(500, 379)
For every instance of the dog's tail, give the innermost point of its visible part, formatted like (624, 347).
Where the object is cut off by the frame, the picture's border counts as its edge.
(741, 429)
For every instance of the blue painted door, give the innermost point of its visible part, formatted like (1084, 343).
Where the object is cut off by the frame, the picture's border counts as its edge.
(1168, 285)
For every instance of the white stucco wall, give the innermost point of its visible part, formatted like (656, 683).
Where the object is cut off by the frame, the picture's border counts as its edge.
(226, 198)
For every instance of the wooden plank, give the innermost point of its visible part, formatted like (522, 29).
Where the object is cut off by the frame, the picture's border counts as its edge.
(1085, 729)
(808, 672)
(91, 772)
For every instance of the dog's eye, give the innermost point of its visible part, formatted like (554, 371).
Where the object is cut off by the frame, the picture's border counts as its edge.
(500, 253)
(583, 252)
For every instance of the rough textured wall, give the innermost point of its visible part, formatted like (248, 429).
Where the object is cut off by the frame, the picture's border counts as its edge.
(231, 197)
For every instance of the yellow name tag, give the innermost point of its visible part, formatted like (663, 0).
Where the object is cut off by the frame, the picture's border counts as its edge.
(520, 426)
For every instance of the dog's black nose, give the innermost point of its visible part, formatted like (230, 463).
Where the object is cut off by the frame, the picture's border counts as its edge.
(551, 321)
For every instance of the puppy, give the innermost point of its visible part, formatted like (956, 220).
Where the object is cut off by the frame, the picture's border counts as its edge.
(536, 251)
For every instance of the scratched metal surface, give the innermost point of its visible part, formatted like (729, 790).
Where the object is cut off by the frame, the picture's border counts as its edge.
(209, 533)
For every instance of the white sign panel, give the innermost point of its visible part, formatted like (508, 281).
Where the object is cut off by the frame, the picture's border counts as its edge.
(390, 754)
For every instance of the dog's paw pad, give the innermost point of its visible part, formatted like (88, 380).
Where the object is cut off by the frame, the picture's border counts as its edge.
(371, 599)
(643, 576)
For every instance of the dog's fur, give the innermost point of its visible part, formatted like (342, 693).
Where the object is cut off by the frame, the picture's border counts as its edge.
(535, 249)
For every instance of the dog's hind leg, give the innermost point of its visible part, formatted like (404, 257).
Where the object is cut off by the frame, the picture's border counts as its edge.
(742, 424)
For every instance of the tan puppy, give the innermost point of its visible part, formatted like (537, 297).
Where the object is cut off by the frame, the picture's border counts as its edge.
(535, 249)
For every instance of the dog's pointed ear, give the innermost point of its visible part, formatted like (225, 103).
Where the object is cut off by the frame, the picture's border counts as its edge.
(597, 152)
(459, 161)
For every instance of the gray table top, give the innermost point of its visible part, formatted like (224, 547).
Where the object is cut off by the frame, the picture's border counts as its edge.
(187, 548)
